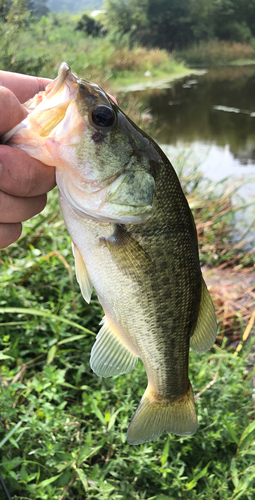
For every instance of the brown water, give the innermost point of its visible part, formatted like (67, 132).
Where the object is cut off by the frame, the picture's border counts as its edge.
(213, 116)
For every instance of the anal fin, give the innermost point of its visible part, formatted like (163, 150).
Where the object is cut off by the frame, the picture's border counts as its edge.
(205, 331)
(82, 274)
(109, 355)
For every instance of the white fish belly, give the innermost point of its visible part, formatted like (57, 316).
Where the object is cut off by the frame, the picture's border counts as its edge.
(126, 308)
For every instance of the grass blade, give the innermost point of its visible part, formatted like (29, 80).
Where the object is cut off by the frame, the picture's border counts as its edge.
(44, 314)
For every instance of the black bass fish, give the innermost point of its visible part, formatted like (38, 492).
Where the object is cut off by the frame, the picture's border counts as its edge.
(134, 241)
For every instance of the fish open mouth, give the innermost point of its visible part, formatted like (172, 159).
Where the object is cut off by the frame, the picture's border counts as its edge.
(46, 110)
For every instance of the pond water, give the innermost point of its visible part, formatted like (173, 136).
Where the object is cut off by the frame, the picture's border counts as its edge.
(213, 115)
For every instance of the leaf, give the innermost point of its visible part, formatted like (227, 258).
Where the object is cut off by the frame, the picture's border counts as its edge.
(4, 356)
(164, 455)
(231, 430)
(195, 479)
(112, 419)
(51, 354)
(107, 416)
(95, 449)
(82, 477)
(162, 497)
(44, 314)
(16, 427)
(244, 484)
(47, 481)
(234, 472)
(83, 453)
(97, 411)
(13, 442)
(247, 437)
(71, 339)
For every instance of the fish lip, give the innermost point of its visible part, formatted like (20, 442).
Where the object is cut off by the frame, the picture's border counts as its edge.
(65, 76)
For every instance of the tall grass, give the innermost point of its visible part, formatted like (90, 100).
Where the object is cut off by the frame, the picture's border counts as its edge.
(217, 52)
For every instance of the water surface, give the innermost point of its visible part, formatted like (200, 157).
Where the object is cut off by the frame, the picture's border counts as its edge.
(214, 116)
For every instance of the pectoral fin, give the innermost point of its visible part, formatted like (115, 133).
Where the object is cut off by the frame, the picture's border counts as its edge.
(109, 355)
(128, 254)
(82, 274)
(205, 332)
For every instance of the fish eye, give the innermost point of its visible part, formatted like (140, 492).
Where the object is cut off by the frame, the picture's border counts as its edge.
(103, 117)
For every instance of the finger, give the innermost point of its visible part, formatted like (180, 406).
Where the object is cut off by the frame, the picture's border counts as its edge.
(21, 175)
(12, 112)
(113, 98)
(9, 233)
(23, 86)
(16, 209)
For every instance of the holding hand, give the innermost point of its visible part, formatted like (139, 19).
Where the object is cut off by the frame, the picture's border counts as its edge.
(24, 181)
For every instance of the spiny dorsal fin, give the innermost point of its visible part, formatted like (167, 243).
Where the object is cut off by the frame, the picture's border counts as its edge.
(109, 355)
(82, 274)
(205, 332)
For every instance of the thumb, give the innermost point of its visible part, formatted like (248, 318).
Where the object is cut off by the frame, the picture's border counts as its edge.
(12, 112)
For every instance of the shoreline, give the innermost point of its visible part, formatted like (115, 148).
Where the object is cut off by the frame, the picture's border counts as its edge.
(159, 83)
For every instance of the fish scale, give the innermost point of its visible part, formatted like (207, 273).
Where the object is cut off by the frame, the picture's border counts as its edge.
(134, 241)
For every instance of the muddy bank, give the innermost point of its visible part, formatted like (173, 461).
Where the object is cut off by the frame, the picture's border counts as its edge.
(233, 293)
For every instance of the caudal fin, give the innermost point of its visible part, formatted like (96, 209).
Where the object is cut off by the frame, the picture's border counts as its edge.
(154, 416)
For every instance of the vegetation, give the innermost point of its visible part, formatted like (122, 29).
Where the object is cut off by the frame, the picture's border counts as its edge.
(90, 26)
(63, 429)
(39, 49)
(216, 53)
(129, 36)
(179, 23)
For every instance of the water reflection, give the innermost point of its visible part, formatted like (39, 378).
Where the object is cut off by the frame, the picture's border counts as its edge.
(217, 108)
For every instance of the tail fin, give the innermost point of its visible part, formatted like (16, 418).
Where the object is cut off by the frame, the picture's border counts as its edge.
(154, 416)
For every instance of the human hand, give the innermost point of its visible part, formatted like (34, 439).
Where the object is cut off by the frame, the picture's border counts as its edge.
(24, 181)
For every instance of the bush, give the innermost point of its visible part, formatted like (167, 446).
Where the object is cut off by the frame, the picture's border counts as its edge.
(90, 26)
(234, 31)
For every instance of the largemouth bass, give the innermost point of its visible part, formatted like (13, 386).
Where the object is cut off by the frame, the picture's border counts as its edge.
(134, 241)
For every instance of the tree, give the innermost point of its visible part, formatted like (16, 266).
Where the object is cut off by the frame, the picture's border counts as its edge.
(90, 26)
(126, 16)
(39, 7)
(234, 19)
(169, 23)
(176, 23)
(202, 13)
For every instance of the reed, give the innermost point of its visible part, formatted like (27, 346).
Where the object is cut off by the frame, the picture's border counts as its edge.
(216, 52)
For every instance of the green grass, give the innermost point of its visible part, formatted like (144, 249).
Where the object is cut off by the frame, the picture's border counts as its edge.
(63, 429)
